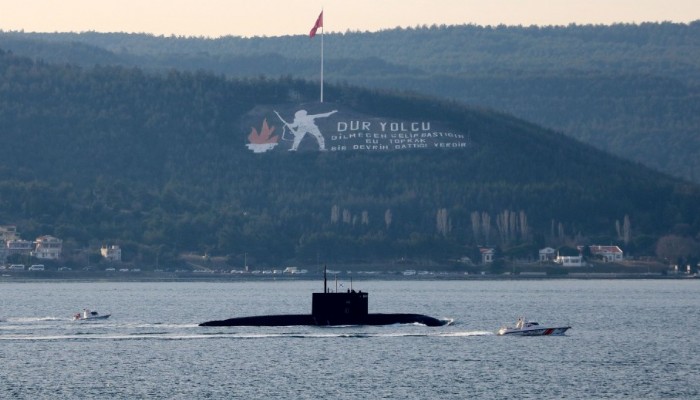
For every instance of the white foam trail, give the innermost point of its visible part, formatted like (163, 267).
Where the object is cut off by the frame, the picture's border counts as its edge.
(467, 333)
(34, 319)
(233, 335)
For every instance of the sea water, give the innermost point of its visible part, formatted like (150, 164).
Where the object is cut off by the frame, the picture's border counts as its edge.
(629, 339)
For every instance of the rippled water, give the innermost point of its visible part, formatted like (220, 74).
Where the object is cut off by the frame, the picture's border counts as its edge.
(630, 339)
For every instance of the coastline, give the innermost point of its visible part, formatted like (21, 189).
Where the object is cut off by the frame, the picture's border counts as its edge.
(80, 276)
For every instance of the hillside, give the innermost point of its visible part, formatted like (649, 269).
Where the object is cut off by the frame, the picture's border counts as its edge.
(158, 163)
(627, 89)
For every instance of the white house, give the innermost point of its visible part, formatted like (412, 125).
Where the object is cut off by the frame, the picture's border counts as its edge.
(487, 255)
(608, 253)
(569, 261)
(547, 254)
(48, 248)
(111, 253)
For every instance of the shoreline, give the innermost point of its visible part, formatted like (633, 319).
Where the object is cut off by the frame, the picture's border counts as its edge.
(382, 276)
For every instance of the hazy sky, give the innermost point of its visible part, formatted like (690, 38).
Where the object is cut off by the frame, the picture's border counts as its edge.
(215, 18)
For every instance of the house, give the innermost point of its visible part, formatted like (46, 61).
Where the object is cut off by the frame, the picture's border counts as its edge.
(19, 246)
(569, 261)
(8, 232)
(111, 253)
(547, 254)
(486, 255)
(607, 253)
(48, 248)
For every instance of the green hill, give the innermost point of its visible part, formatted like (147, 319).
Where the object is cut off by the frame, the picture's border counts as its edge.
(158, 163)
(627, 89)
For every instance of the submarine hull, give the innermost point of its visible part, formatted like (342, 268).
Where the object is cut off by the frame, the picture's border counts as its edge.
(308, 319)
(264, 320)
(332, 308)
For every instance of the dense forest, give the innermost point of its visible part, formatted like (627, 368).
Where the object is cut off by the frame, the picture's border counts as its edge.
(155, 162)
(627, 89)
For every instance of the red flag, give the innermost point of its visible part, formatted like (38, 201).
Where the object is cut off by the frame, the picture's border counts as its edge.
(318, 24)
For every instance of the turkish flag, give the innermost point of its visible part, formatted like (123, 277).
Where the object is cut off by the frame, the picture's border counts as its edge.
(318, 24)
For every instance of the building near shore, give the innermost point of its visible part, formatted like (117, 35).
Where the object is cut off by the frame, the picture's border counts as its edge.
(487, 255)
(111, 253)
(570, 261)
(48, 248)
(547, 254)
(607, 253)
(19, 246)
(8, 232)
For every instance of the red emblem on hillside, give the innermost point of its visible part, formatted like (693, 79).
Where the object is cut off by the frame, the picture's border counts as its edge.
(262, 141)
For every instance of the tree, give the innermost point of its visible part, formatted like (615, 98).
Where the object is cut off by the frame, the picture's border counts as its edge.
(476, 225)
(626, 230)
(486, 225)
(443, 222)
(677, 249)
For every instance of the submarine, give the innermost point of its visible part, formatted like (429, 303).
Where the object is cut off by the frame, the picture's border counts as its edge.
(332, 308)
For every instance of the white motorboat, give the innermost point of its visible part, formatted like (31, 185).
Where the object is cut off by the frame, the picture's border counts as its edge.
(87, 315)
(530, 328)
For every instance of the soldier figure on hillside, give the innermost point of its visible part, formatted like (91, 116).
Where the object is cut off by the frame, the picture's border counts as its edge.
(304, 123)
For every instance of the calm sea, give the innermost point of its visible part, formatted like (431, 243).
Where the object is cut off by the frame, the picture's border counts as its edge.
(630, 339)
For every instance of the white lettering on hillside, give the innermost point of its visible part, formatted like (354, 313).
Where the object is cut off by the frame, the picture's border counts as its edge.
(363, 135)
(324, 130)
(356, 126)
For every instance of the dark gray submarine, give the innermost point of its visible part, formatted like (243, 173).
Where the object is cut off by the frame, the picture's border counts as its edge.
(332, 308)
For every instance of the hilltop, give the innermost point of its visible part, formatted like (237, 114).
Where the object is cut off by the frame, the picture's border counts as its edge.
(627, 89)
(159, 163)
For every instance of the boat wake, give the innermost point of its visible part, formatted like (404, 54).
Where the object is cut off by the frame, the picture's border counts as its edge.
(166, 335)
(25, 320)
(469, 333)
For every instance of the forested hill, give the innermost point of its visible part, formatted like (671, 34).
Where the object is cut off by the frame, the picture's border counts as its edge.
(628, 89)
(160, 164)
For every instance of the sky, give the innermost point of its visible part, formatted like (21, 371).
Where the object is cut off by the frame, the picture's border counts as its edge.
(215, 18)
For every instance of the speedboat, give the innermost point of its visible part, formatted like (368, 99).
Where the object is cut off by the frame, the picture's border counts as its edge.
(530, 328)
(88, 315)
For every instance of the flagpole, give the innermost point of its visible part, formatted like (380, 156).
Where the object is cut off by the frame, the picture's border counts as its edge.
(312, 33)
(322, 60)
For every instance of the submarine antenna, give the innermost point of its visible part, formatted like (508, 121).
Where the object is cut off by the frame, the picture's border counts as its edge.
(325, 284)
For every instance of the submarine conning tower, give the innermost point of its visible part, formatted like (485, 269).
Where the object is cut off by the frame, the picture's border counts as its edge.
(333, 308)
